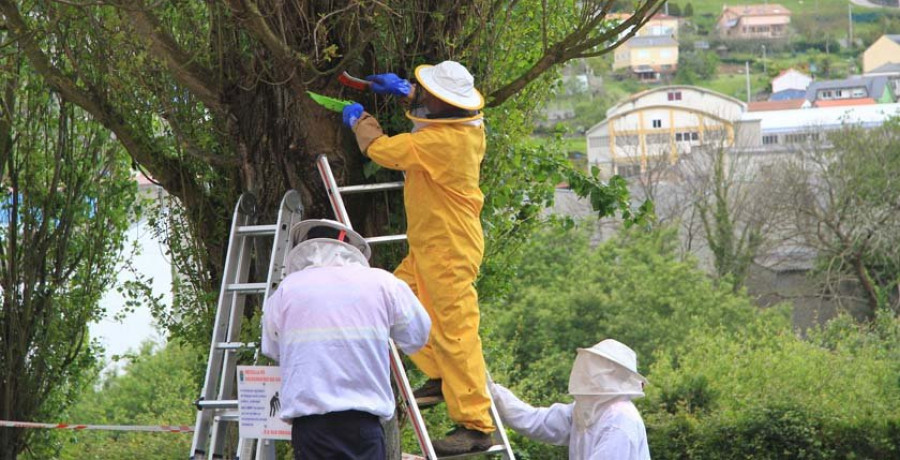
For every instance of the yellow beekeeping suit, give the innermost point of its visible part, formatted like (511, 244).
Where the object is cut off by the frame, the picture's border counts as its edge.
(443, 207)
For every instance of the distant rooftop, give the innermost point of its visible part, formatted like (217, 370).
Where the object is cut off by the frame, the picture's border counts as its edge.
(776, 121)
(874, 85)
(757, 10)
(786, 104)
(894, 38)
(788, 94)
(787, 71)
(845, 102)
(890, 67)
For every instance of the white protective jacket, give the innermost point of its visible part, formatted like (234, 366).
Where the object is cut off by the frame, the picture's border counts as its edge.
(617, 433)
(328, 326)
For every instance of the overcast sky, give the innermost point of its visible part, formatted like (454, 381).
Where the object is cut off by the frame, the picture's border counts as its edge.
(127, 335)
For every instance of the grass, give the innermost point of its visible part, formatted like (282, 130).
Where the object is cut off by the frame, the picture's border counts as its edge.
(736, 85)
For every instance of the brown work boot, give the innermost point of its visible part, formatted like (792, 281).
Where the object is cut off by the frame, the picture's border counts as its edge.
(462, 441)
(429, 394)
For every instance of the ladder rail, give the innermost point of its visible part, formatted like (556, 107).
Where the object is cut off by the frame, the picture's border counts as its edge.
(418, 423)
(334, 195)
(289, 212)
(412, 409)
(229, 360)
(219, 382)
(201, 431)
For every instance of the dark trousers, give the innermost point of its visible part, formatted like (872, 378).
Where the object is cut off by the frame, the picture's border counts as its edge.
(348, 435)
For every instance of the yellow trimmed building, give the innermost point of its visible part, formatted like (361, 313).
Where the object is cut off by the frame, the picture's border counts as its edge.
(659, 125)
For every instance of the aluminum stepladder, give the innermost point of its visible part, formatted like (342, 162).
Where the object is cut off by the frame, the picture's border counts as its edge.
(218, 402)
(501, 441)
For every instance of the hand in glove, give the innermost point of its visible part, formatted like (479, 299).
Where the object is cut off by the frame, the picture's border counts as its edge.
(388, 83)
(352, 113)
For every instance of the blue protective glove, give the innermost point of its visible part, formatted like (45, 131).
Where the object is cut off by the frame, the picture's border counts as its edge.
(352, 113)
(388, 83)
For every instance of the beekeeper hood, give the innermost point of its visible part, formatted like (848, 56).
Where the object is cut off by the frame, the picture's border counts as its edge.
(325, 243)
(452, 83)
(601, 374)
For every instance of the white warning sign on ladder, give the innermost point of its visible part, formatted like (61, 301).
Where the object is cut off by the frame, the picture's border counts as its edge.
(259, 403)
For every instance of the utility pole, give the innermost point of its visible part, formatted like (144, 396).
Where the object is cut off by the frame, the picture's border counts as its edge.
(765, 70)
(747, 72)
(850, 25)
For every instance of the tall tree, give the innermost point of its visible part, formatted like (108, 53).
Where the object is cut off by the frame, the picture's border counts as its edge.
(844, 198)
(67, 194)
(209, 98)
(730, 203)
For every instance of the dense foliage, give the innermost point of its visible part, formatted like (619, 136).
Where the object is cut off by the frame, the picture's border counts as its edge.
(67, 197)
(765, 393)
(209, 98)
(155, 388)
(726, 380)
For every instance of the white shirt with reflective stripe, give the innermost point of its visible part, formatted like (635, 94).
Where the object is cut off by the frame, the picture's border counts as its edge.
(328, 327)
(618, 433)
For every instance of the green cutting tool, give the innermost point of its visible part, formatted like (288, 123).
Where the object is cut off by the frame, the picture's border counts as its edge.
(330, 103)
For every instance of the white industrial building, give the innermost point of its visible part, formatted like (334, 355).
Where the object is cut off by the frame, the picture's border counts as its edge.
(665, 123)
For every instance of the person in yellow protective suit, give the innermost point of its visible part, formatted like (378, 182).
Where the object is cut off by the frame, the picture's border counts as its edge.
(442, 158)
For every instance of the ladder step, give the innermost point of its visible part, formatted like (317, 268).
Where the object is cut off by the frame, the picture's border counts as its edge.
(236, 346)
(495, 449)
(385, 239)
(371, 187)
(247, 288)
(257, 230)
(229, 416)
(218, 404)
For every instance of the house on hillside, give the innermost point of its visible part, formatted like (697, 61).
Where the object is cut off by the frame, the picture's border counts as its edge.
(790, 79)
(648, 58)
(653, 50)
(885, 50)
(857, 87)
(742, 22)
(658, 125)
(660, 25)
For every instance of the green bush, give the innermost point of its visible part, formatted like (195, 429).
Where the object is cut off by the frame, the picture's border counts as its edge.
(727, 380)
(765, 393)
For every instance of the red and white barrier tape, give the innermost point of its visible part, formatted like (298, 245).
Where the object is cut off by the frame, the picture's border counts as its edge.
(67, 426)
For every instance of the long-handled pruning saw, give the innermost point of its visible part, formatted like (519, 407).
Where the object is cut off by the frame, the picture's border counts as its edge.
(337, 105)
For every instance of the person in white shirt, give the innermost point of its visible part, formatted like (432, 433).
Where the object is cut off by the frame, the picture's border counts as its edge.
(602, 423)
(328, 326)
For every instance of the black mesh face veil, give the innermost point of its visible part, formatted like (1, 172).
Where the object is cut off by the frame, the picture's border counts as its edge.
(322, 231)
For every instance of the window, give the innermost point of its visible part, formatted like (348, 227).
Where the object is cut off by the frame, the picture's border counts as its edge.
(595, 142)
(674, 95)
(858, 92)
(825, 95)
(678, 137)
(657, 123)
(643, 54)
(665, 53)
(695, 136)
(628, 170)
(795, 138)
(770, 139)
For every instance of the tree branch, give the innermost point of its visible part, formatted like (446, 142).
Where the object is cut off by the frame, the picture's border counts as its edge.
(249, 15)
(183, 66)
(140, 148)
(575, 45)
